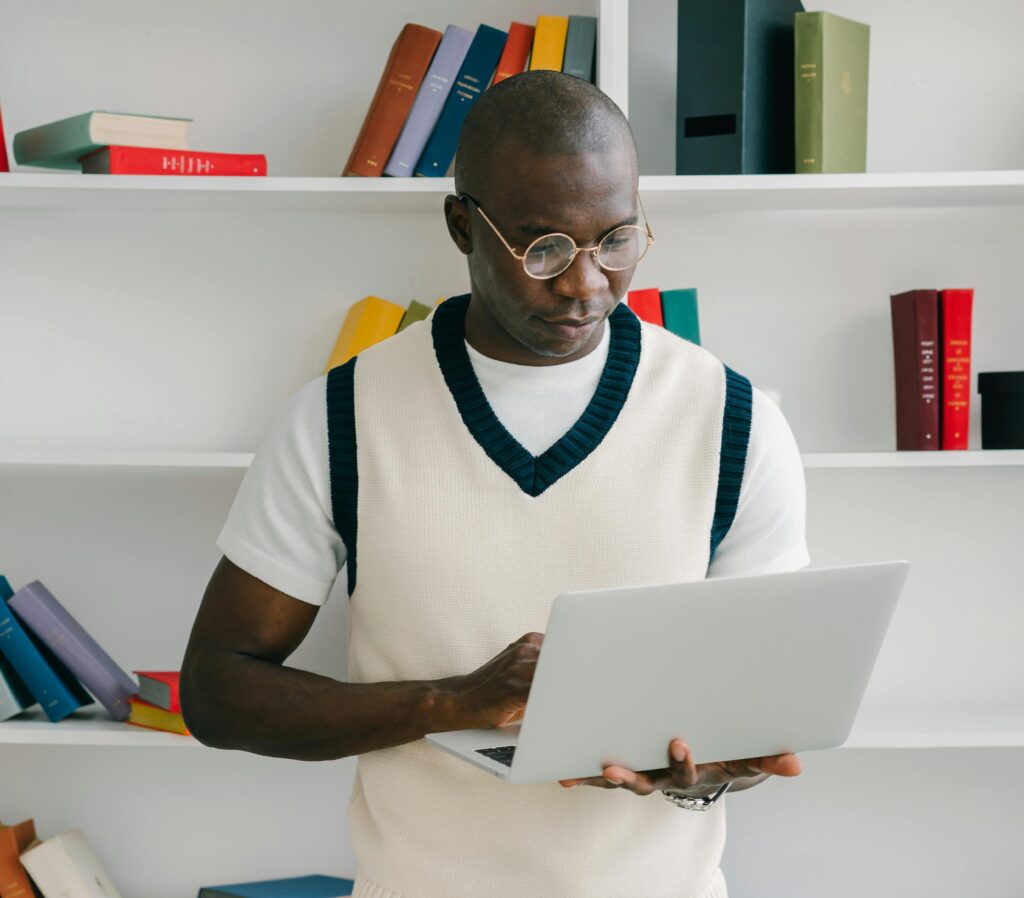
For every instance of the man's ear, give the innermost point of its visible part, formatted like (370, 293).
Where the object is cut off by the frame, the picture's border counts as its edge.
(456, 216)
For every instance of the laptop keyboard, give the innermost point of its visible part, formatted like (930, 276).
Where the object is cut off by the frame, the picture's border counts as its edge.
(502, 755)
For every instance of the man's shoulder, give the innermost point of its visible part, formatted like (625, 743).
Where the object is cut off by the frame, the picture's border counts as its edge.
(667, 346)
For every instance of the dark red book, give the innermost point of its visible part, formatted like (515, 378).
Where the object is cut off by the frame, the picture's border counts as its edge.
(915, 343)
(4, 164)
(517, 48)
(404, 71)
(955, 307)
(118, 160)
(647, 305)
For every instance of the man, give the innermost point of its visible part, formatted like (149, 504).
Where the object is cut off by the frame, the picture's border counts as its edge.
(529, 438)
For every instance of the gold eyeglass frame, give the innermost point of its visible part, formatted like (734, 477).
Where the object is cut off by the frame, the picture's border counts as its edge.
(593, 250)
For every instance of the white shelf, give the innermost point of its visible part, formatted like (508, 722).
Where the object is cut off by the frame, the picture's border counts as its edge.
(87, 726)
(669, 193)
(99, 458)
(876, 728)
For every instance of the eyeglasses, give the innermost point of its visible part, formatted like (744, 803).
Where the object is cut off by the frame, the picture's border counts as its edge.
(550, 255)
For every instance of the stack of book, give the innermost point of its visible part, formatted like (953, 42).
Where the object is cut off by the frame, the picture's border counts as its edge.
(157, 705)
(674, 310)
(369, 321)
(113, 143)
(431, 80)
(931, 337)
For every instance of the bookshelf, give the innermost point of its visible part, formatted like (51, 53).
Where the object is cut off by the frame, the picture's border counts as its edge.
(153, 328)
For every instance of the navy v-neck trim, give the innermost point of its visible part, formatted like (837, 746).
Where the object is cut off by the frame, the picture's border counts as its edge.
(534, 474)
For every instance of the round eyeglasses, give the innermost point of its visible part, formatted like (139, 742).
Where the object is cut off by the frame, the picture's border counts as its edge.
(550, 255)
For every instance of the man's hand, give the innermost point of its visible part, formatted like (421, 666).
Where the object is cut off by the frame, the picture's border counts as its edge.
(683, 773)
(494, 694)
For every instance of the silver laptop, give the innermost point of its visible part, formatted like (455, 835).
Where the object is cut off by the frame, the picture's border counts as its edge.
(739, 667)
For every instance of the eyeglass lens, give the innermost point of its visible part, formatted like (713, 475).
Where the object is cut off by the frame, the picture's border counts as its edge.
(551, 255)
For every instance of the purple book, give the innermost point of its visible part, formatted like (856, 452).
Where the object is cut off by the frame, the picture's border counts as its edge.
(67, 639)
(426, 108)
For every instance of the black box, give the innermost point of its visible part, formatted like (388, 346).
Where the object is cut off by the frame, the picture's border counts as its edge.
(1002, 409)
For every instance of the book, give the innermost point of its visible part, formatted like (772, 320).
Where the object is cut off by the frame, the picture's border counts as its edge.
(416, 311)
(49, 681)
(15, 696)
(369, 321)
(831, 92)
(549, 43)
(54, 625)
(580, 47)
(915, 342)
(65, 866)
(426, 108)
(314, 886)
(403, 73)
(955, 307)
(160, 688)
(734, 87)
(61, 144)
(4, 162)
(120, 160)
(679, 310)
(14, 880)
(647, 305)
(144, 714)
(516, 52)
(474, 76)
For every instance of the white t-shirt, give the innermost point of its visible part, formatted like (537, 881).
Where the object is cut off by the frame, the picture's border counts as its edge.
(280, 527)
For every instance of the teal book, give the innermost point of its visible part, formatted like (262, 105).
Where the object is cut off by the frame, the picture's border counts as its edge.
(474, 76)
(679, 309)
(62, 144)
(315, 886)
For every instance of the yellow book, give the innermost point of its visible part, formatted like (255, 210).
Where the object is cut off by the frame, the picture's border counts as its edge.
(549, 42)
(369, 321)
(143, 714)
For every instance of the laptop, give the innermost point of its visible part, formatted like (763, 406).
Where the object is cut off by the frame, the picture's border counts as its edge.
(739, 667)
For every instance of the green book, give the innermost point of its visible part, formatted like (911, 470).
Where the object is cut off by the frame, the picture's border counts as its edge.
(416, 312)
(831, 84)
(679, 309)
(61, 144)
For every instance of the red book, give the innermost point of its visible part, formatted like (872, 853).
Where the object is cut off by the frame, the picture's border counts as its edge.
(955, 308)
(4, 164)
(117, 160)
(517, 48)
(160, 688)
(915, 343)
(647, 305)
(405, 69)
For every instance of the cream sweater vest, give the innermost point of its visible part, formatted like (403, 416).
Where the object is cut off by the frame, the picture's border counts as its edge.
(458, 542)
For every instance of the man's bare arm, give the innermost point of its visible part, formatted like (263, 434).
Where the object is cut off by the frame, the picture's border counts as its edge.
(236, 692)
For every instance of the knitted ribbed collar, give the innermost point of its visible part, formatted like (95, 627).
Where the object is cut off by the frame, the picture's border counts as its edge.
(534, 474)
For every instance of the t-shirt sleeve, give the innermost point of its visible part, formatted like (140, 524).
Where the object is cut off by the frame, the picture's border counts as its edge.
(768, 534)
(280, 527)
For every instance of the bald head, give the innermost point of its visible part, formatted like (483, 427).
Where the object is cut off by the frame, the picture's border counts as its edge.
(542, 113)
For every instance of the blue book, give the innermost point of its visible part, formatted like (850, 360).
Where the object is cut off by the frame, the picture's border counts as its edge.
(296, 887)
(426, 108)
(474, 76)
(52, 684)
(15, 696)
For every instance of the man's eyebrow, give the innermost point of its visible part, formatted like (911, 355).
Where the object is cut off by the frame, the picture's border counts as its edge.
(539, 230)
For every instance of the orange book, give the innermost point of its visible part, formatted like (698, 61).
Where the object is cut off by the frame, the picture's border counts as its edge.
(549, 42)
(14, 881)
(406, 66)
(369, 321)
(517, 48)
(143, 714)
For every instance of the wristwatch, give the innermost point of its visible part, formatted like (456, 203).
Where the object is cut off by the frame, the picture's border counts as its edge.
(681, 800)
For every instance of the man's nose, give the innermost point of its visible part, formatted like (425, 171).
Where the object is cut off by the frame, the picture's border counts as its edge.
(583, 279)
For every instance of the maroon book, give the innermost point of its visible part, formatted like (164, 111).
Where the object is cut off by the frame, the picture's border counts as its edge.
(915, 343)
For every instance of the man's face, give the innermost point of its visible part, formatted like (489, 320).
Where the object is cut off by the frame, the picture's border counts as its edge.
(520, 319)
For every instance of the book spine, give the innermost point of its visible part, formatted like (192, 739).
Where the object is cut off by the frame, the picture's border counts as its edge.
(430, 99)
(406, 66)
(915, 334)
(679, 309)
(955, 308)
(474, 76)
(15, 697)
(516, 52)
(549, 43)
(149, 161)
(580, 46)
(79, 652)
(808, 55)
(14, 881)
(647, 305)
